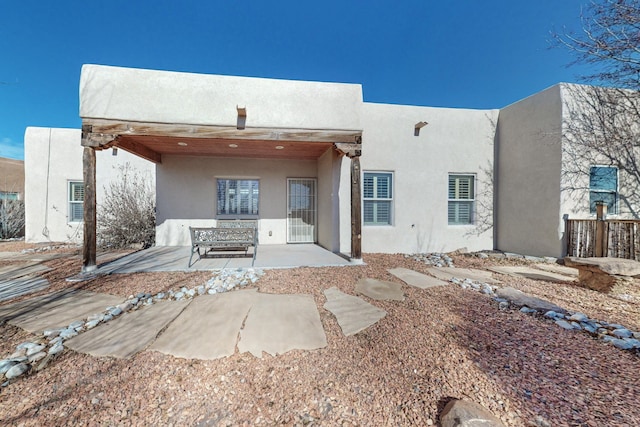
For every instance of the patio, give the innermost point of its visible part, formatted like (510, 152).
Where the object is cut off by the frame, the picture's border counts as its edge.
(176, 258)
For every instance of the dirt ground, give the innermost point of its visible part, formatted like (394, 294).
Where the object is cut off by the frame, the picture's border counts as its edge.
(437, 344)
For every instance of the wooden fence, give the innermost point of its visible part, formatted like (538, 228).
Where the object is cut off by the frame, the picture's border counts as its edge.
(603, 237)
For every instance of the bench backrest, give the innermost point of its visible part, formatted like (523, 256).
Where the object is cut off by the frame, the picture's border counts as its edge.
(222, 235)
(237, 223)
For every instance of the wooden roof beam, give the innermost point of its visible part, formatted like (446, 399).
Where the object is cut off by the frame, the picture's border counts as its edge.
(114, 127)
(139, 150)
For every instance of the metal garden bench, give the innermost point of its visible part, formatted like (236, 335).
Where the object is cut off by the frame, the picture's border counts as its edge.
(236, 235)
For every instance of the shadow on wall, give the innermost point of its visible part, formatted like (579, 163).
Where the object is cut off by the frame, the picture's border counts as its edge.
(601, 149)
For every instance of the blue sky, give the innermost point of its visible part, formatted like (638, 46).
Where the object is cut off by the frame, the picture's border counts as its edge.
(450, 53)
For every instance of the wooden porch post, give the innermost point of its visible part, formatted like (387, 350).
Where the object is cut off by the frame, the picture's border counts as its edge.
(602, 236)
(356, 209)
(89, 177)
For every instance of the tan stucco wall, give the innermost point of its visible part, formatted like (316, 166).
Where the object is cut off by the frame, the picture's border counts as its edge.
(53, 157)
(186, 193)
(171, 97)
(454, 141)
(12, 176)
(529, 158)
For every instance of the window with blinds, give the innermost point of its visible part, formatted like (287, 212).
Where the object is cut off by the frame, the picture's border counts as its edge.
(377, 192)
(76, 201)
(461, 199)
(603, 188)
(238, 197)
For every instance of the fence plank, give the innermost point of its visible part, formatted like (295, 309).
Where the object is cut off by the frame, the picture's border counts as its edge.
(617, 238)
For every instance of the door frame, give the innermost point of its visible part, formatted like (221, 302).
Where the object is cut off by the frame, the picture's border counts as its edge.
(314, 238)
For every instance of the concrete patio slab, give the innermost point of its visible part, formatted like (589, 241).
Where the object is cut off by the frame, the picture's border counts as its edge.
(128, 334)
(418, 280)
(447, 273)
(532, 273)
(380, 289)
(176, 258)
(56, 310)
(352, 313)
(280, 323)
(208, 328)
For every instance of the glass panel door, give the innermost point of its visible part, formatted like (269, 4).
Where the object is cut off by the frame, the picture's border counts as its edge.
(301, 210)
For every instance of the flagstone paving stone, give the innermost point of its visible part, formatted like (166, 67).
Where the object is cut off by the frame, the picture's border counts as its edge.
(532, 273)
(418, 280)
(280, 323)
(56, 310)
(208, 328)
(352, 313)
(380, 289)
(129, 333)
(214, 325)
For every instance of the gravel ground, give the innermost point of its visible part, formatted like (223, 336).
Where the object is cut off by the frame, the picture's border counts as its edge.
(438, 344)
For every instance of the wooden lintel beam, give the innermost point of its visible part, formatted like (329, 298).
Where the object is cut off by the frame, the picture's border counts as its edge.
(97, 140)
(123, 128)
(139, 150)
(351, 150)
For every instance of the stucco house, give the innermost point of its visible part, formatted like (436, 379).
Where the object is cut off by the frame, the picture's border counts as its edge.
(314, 163)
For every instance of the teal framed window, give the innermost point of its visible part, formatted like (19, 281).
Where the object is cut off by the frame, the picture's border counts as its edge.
(603, 188)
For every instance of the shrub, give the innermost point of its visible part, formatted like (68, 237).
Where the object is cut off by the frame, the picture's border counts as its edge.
(11, 218)
(127, 214)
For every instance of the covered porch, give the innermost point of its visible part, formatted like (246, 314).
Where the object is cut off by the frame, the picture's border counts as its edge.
(176, 258)
(209, 135)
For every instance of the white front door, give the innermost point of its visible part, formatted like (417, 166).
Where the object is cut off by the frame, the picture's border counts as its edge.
(301, 210)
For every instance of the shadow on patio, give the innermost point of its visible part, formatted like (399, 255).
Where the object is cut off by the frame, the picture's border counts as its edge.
(176, 258)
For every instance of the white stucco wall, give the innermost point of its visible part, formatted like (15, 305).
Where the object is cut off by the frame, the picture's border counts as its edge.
(329, 182)
(454, 141)
(529, 158)
(53, 157)
(199, 99)
(186, 193)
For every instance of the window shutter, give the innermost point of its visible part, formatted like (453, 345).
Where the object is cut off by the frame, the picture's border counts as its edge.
(77, 192)
(377, 189)
(461, 199)
(460, 187)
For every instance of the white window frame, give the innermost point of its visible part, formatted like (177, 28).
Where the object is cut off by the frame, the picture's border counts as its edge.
(451, 202)
(616, 193)
(375, 199)
(250, 201)
(71, 202)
